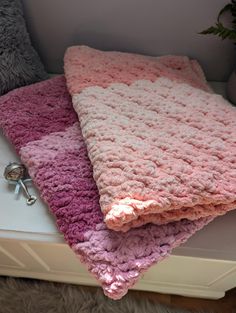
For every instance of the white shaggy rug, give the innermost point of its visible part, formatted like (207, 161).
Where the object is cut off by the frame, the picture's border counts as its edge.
(35, 296)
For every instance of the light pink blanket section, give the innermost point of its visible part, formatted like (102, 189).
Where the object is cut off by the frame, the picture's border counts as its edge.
(162, 146)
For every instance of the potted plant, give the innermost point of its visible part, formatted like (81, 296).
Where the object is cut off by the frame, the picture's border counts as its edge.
(230, 33)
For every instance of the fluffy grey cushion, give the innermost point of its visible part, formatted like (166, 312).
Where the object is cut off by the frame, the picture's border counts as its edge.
(19, 63)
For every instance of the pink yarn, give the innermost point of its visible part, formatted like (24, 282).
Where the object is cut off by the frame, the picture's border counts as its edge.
(162, 146)
(40, 122)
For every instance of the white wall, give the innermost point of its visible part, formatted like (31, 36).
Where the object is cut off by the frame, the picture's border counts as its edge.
(152, 27)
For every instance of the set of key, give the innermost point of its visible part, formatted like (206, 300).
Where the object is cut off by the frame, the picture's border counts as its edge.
(16, 173)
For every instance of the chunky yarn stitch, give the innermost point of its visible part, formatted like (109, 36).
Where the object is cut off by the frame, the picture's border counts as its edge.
(40, 122)
(161, 144)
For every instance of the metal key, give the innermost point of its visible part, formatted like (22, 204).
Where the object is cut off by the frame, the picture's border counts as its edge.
(16, 172)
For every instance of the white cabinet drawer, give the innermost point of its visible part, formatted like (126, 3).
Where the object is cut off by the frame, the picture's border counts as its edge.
(182, 275)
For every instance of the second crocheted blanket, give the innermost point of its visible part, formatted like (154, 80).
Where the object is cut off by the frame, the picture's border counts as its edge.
(40, 122)
(161, 144)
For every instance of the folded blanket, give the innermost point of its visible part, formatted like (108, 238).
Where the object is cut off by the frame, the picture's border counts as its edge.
(161, 144)
(40, 122)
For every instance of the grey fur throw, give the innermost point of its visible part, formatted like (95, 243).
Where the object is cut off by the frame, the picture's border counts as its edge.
(19, 62)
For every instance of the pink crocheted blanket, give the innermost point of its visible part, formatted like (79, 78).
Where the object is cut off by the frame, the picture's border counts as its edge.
(40, 122)
(162, 145)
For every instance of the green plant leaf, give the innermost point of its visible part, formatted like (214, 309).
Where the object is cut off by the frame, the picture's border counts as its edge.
(227, 7)
(210, 30)
(219, 29)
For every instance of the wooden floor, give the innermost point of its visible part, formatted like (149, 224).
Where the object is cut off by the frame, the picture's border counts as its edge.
(224, 305)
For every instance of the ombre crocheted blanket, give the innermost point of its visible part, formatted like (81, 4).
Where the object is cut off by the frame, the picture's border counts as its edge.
(162, 145)
(161, 149)
(40, 122)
